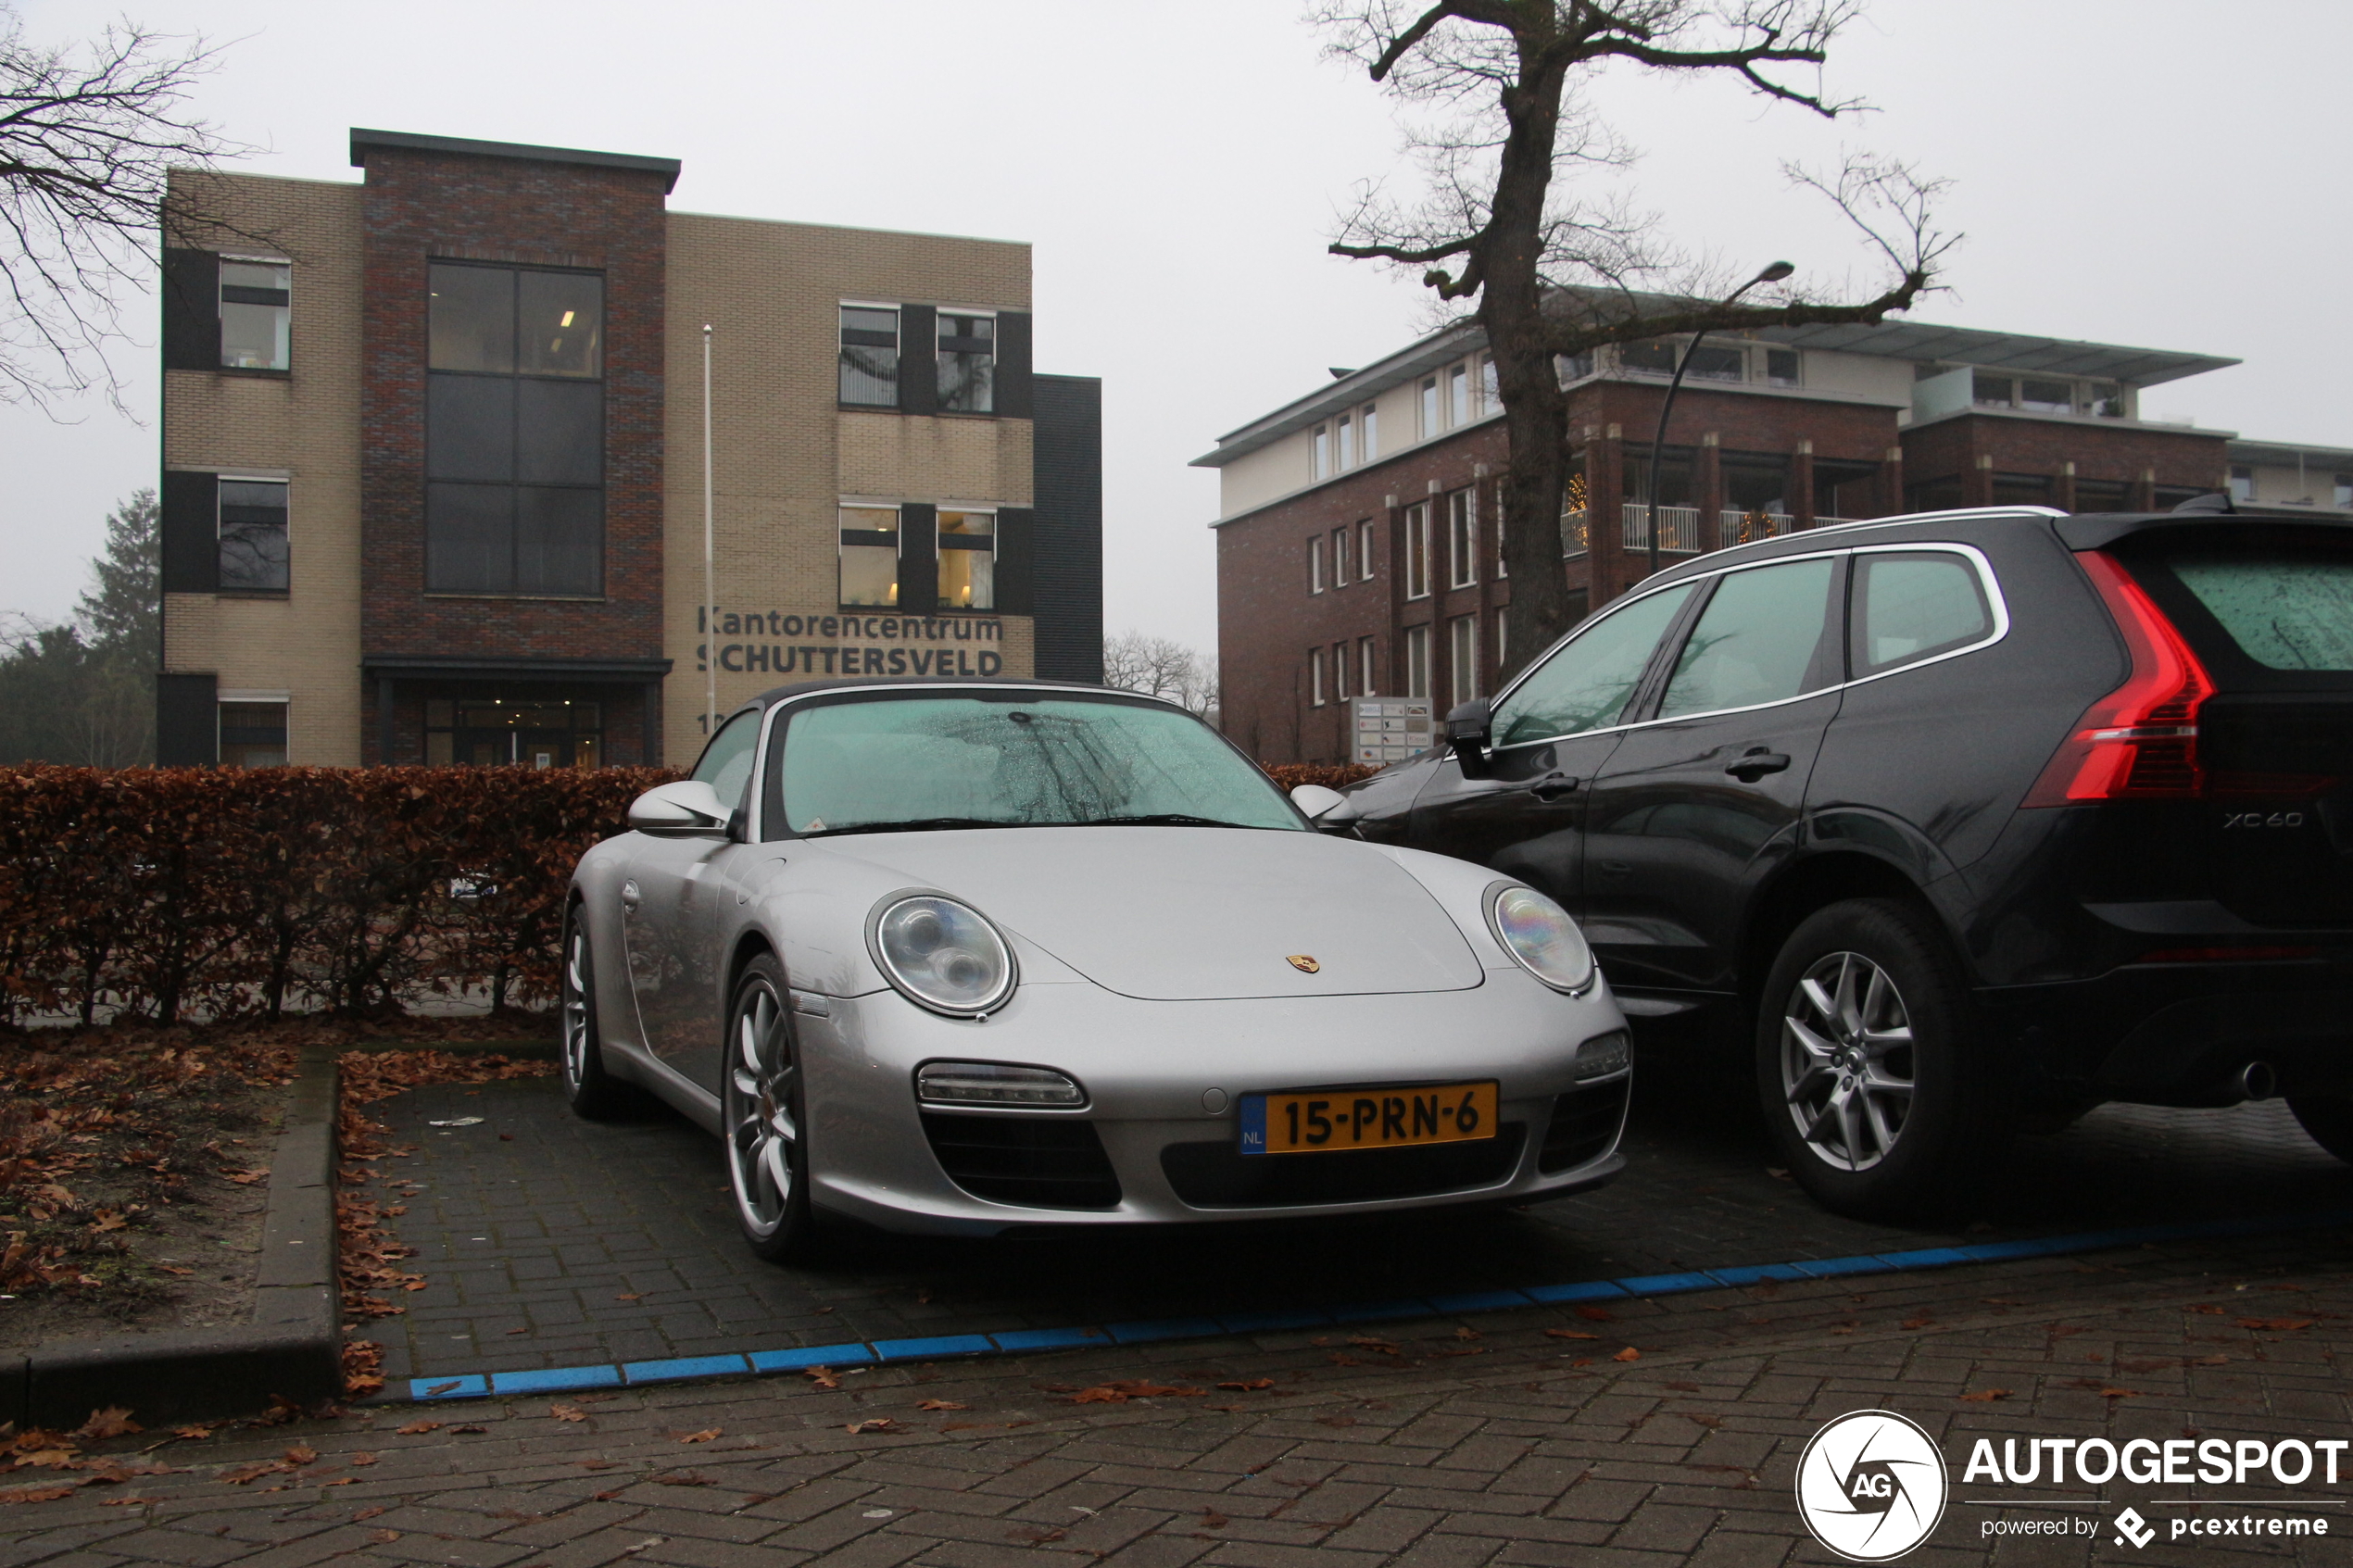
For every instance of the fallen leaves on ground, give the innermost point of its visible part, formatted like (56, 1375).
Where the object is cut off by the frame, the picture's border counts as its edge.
(567, 1412)
(821, 1376)
(682, 1478)
(708, 1435)
(1251, 1387)
(415, 1427)
(1135, 1389)
(1627, 1354)
(941, 1405)
(36, 1494)
(2276, 1326)
(1570, 1333)
(1596, 1314)
(1918, 1320)
(113, 1421)
(1987, 1396)
(875, 1423)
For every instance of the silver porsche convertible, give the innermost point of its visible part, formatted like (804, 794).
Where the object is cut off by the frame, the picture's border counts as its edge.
(970, 956)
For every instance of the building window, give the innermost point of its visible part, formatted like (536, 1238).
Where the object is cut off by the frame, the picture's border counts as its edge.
(257, 311)
(514, 432)
(1364, 550)
(2344, 490)
(2242, 483)
(1347, 442)
(253, 734)
(1316, 677)
(1367, 670)
(1458, 394)
(1368, 430)
(1573, 367)
(541, 734)
(967, 561)
(967, 363)
(1502, 639)
(1430, 415)
(1495, 498)
(253, 535)
(1323, 452)
(1712, 363)
(2045, 396)
(1491, 391)
(1463, 656)
(869, 555)
(1989, 392)
(1781, 367)
(2103, 400)
(868, 356)
(1339, 558)
(1418, 551)
(1316, 563)
(1340, 672)
(1652, 357)
(1462, 538)
(1417, 661)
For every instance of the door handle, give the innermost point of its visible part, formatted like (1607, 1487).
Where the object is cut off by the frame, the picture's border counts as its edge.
(1552, 786)
(629, 896)
(1758, 763)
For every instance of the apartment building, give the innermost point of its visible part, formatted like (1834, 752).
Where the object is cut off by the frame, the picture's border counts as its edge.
(1357, 547)
(433, 463)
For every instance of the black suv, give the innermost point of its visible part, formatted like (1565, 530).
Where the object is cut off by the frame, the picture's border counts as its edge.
(1972, 821)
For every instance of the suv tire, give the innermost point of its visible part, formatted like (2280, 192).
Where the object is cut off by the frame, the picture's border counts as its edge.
(2329, 1117)
(1863, 1040)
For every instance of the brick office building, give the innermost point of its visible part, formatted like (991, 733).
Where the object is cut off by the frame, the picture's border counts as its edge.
(1357, 552)
(432, 477)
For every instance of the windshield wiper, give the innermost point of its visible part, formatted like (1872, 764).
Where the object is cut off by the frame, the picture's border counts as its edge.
(916, 824)
(1158, 819)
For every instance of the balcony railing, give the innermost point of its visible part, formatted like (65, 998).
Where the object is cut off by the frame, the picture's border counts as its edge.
(1573, 533)
(1677, 528)
(1742, 528)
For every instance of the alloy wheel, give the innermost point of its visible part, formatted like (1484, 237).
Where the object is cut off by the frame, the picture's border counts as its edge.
(763, 1136)
(1847, 1066)
(577, 1044)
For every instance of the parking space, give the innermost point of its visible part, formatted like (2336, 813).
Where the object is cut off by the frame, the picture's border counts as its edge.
(552, 1242)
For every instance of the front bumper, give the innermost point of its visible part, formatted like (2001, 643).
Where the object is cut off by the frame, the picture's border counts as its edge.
(1146, 1067)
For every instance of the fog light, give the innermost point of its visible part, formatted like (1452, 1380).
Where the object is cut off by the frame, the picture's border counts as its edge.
(990, 1082)
(1603, 1054)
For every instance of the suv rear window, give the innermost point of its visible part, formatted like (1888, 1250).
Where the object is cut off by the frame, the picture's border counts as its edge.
(2286, 610)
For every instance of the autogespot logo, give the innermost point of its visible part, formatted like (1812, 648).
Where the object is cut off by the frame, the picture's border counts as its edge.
(1870, 1485)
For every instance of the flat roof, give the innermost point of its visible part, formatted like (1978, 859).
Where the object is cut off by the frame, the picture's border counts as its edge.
(2287, 453)
(408, 142)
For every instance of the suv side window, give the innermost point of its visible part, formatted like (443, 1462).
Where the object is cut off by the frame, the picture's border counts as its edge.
(727, 762)
(1909, 606)
(1586, 683)
(1768, 634)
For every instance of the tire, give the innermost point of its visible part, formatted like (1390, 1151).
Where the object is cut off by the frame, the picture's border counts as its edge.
(593, 1093)
(763, 1118)
(1872, 1089)
(2330, 1121)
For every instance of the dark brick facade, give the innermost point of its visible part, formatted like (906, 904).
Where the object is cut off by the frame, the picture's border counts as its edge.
(1268, 621)
(422, 205)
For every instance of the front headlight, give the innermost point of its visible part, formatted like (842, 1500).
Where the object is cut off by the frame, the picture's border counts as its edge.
(1540, 935)
(943, 955)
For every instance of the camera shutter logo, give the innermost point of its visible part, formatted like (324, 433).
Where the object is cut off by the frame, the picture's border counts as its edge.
(1870, 1485)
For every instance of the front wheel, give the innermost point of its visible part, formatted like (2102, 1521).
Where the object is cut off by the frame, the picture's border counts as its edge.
(592, 1092)
(1870, 1086)
(764, 1114)
(2329, 1119)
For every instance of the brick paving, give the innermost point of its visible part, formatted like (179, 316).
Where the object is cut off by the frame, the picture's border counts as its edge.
(1447, 1443)
(553, 1242)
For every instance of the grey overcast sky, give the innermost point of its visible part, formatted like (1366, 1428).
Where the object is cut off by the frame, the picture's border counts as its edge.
(2151, 172)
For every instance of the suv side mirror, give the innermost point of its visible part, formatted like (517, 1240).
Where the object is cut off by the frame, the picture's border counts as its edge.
(1315, 800)
(689, 809)
(1469, 734)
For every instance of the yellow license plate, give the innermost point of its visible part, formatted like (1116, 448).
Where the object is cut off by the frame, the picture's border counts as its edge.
(1318, 1120)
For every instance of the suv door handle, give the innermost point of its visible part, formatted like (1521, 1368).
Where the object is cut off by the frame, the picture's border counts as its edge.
(1756, 764)
(1552, 786)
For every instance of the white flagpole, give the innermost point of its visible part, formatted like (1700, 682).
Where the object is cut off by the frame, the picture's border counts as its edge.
(709, 588)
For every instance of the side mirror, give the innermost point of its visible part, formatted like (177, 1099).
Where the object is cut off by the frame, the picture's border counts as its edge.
(1315, 800)
(1469, 732)
(689, 809)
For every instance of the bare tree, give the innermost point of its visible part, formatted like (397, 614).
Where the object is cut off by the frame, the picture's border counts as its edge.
(1161, 666)
(1492, 92)
(88, 134)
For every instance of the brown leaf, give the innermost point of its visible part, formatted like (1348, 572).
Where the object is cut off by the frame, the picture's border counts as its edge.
(941, 1405)
(302, 1453)
(1213, 1520)
(2120, 1393)
(385, 1535)
(567, 1412)
(414, 1427)
(2276, 1326)
(360, 1461)
(682, 1478)
(113, 1421)
(821, 1376)
(36, 1494)
(1120, 1393)
(1570, 1333)
(1987, 1396)
(1627, 1354)
(1251, 1387)
(877, 1423)
(1920, 1320)
(630, 1296)
(367, 1513)
(707, 1435)
(1595, 1314)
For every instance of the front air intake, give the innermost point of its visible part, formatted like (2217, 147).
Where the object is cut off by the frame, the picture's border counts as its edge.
(1036, 1161)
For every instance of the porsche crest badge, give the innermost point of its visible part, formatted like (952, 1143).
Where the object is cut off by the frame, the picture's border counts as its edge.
(1304, 963)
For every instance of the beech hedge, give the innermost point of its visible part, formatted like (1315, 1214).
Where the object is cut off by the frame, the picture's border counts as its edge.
(162, 893)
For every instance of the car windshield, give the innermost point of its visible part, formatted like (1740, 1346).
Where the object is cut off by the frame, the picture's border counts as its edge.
(900, 764)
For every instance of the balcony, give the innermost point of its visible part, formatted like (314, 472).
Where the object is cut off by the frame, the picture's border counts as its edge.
(1677, 528)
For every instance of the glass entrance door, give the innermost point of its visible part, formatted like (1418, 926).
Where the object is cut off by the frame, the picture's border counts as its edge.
(503, 734)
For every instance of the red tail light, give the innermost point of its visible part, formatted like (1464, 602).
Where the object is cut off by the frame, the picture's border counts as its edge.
(2140, 741)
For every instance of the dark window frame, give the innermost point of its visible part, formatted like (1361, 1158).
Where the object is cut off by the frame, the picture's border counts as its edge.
(223, 522)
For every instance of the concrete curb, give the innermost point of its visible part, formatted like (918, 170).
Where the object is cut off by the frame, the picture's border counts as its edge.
(292, 1347)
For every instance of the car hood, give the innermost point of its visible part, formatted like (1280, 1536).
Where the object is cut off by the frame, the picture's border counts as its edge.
(1188, 914)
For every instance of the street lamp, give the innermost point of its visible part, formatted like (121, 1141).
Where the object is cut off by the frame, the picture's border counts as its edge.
(1773, 274)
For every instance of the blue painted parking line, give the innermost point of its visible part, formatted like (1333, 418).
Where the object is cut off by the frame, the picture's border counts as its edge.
(474, 1385)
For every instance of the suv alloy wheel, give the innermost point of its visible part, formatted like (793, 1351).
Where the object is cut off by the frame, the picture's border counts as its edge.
(1869, 1088)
